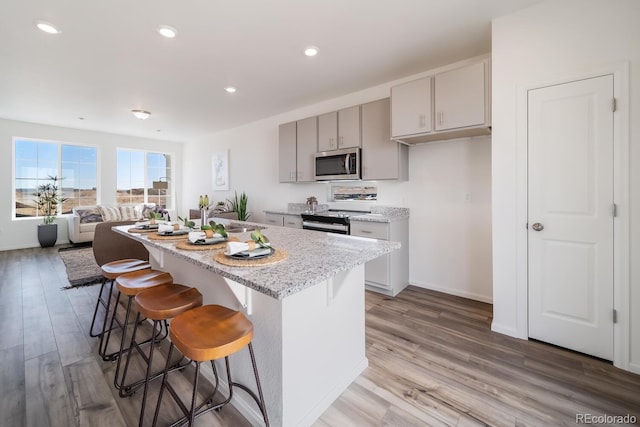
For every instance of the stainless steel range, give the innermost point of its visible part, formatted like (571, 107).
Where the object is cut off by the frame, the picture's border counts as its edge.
(331, 221)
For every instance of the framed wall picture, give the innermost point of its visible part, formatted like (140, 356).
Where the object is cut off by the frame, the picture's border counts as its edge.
(220, 168)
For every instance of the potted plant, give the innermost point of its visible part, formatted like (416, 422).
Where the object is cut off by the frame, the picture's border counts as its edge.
(239, 205)
(47, 200)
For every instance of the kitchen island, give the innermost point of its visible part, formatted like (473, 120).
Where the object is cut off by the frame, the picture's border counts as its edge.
(307, 310)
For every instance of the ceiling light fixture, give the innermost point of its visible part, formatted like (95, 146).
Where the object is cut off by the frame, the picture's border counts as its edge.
(47, 27)
(141, 114)
(167, 31)
(311, 51)
(230, 89)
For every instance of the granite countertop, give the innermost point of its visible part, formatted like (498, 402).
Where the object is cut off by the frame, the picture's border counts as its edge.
(313, 257)
(383, 214)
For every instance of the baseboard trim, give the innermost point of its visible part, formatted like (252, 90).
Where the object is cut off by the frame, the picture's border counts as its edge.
(446, 290)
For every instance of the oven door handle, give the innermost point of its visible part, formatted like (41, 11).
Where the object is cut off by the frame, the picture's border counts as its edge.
(323, 226)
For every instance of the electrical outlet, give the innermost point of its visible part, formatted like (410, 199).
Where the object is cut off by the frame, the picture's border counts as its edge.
(467, 197)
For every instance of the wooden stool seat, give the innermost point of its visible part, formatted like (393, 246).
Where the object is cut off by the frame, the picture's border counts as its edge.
(113, 269)
(167, 301)
(206, 334)
(131, 284)
(210, 332)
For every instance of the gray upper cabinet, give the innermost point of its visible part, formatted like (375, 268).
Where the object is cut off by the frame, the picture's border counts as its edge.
(382, 158)
(287, 152)
(298, 143)
(307, 146)
(339, 129)
(411, 108)
(328, 131)
(460, 97)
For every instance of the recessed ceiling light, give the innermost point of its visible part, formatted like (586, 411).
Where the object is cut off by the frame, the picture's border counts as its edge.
(167, 31)
(311, 51)
(230, 89)
(47, 27)
(141, 114)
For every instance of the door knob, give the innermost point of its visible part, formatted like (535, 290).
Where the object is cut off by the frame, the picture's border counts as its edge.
(537, 226)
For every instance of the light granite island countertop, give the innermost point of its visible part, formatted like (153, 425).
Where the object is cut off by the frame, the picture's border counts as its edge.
(308, 314)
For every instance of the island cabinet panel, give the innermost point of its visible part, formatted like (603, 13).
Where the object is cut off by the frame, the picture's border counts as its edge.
(460, 97)
(411, 108)
(339, 129)
(382, 158)
(307, 146)
(287, 152)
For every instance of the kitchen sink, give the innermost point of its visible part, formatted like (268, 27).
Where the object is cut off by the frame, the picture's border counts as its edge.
(235, 227)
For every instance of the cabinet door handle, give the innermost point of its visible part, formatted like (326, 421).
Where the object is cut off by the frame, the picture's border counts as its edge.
(366, 232)
(340, 141)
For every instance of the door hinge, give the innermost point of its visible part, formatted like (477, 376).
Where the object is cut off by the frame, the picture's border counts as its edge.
(614, 210)
(615, 316)
(526, 226)
(613, 105)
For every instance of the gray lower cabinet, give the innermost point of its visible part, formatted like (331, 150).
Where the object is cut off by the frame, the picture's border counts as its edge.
(389, 273)
(274, 219)
(292, 221)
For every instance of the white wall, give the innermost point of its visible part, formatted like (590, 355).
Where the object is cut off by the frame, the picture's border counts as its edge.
(450, 237)
(22, 233)
(552, 41)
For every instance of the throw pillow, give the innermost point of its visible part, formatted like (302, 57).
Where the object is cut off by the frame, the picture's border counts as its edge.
(110, 213)
(128, 213)
(146, 209)
(89, 215)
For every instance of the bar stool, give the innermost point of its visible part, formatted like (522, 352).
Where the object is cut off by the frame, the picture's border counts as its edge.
(204, 334)
(129, 284)
(159, 304)
(110, 272)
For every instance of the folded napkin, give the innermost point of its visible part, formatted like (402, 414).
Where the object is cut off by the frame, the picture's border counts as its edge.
(235, 247)
(200, 237)
(197, 236)
(248, 249)
(164, 228)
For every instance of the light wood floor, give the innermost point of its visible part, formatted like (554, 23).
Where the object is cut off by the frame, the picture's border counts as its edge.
(432, 361)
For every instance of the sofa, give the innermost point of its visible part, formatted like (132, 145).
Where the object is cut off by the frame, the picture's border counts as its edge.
(84, 219)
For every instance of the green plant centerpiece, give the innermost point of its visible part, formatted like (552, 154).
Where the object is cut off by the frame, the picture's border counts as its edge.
(47, 200)
(215, 228)
(239, 205)
(187, 223)
(154, 216)
(260, 239)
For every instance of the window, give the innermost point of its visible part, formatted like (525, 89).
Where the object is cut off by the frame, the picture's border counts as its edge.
(144, 177)
(341, 192)
(36, 161)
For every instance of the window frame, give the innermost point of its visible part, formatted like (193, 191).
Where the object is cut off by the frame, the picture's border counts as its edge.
(59, 145)
(169, 192)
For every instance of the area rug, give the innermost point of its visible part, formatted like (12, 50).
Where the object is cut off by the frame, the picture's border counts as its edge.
(82, 269)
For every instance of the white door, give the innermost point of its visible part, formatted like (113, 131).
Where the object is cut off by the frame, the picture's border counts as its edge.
(570, 218)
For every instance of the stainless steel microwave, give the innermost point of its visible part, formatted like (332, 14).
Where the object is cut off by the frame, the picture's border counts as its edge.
(338, 164)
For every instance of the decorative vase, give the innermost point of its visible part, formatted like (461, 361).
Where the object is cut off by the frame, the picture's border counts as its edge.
(311, 206)
(204, 213)
(47, 234)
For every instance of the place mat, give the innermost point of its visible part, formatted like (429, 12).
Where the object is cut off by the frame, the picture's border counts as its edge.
(141, 230)
(278, 255)
(156, 236)
(188, 246)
